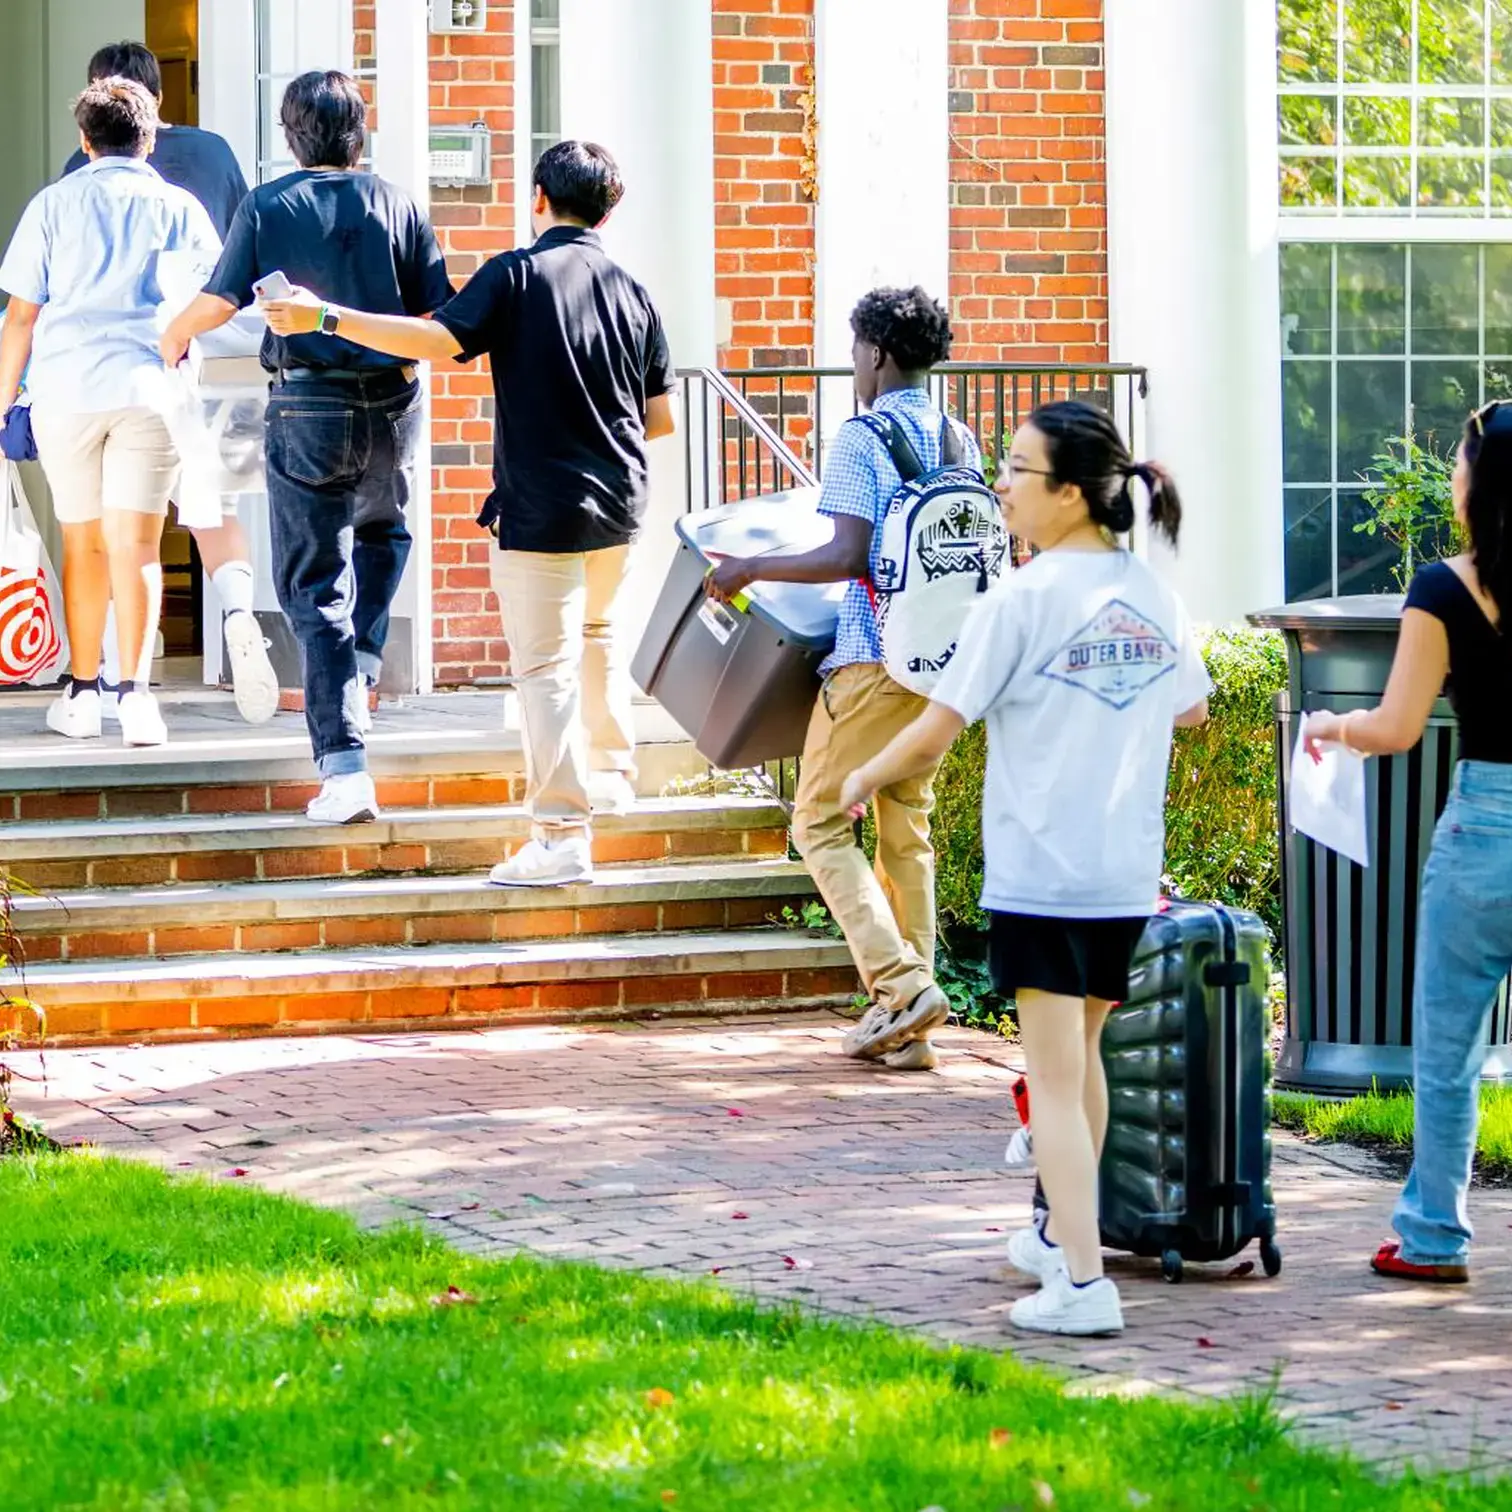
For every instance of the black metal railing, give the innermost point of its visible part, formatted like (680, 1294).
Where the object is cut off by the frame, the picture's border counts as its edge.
(730, 451)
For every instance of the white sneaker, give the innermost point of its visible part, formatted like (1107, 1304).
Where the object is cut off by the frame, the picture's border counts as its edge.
(77, 717)
(141, 721)
(348, 799)
(1030, 1252)
(1019, 1155)
(1060, 1307)
(916, 1055)
(252, 677)
(856, 1042)
(540, 864)
(610, 793)
(873, 1038)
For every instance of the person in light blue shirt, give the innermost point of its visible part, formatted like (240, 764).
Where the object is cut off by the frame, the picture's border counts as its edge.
(81, 273)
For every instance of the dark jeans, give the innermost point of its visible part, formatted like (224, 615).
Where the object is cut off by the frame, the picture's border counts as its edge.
(338, 454)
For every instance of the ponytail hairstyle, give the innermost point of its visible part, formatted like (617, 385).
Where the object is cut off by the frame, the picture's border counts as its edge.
(1085, 448)
(1488, 507)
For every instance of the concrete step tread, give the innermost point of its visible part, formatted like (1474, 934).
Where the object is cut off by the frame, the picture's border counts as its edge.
(213, 902)
(49, 838)
(631, 955)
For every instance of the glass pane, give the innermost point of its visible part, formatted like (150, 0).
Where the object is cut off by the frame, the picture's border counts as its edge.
(1443, 393)
(1497, 383)
(1372, 300)
(1308, 183)
(1306, 300)
(1452, 183)
(1446, 122)
(1306, 423)
(1367, 564)
(1307, 121)
(546, 90)
(1378, 121)
(1307, 50)
(546, 10)
(1372, 408)
(1501, 123)
(1445, 299)
(1378, 183)
(1499, 300)
(1452, 42)
(1501, 41)
(1308, 519)
(1378, 41)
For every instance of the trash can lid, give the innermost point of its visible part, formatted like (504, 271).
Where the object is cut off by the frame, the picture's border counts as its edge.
(1352, 611)
(774, 525)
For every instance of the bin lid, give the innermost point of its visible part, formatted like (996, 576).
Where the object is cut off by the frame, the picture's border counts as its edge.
(774, 525)
(1351, 611)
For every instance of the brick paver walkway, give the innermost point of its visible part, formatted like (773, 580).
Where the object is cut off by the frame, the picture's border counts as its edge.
(753, 1149)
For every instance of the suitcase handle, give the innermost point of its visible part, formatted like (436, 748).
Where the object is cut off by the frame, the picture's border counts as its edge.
(1230, 1193)
(1226, 974)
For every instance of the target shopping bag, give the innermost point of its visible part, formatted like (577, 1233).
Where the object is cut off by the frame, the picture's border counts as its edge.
(33, 643)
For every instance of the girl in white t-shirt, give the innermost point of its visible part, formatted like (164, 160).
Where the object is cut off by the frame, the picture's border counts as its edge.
(1081, 663)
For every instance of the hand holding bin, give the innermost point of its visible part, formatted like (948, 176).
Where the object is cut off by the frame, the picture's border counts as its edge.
(742, 678)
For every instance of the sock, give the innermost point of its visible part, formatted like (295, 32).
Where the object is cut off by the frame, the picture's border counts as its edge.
(78, 685)
(233, 582)
(127, 686)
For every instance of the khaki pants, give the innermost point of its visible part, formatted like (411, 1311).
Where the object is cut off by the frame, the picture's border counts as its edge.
(887, 912)
(571, 676)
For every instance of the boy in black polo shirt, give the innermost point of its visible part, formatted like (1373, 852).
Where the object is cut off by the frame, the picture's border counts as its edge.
(582, 379)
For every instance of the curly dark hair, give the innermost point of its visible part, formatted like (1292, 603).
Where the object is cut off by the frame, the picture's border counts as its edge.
(118, 118)
(913, 329)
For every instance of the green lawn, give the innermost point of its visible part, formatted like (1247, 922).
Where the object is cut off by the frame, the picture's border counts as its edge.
(1385, 1119)
(183, 1345)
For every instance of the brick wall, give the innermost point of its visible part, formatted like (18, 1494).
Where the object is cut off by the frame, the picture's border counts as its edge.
(763, 192)
(1028, 216)
(472, 79)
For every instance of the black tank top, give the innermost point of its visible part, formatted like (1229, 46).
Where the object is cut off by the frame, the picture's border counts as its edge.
(1480, 662)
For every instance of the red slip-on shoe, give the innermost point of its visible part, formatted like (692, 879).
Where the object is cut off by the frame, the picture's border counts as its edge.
(1388, 1262)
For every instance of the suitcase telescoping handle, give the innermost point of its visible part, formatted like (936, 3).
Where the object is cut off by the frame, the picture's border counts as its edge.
(1226, 974)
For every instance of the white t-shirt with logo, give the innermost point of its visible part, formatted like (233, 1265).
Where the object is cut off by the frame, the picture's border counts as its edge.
(1080, 663)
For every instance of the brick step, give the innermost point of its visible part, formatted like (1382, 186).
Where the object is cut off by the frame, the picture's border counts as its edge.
(438, 986)
(185, 919)
(197, 848)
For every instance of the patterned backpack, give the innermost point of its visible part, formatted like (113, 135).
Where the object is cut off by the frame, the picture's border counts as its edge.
(941, 544)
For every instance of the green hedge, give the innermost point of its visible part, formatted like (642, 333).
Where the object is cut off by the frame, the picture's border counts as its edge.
(1221, 838)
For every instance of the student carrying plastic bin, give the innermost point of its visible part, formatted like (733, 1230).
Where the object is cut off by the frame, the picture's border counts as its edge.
(1082, 663)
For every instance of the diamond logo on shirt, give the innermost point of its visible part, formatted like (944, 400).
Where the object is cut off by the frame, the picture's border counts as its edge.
(1114, 656)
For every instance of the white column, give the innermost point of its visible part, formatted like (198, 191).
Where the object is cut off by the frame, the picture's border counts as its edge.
(639, 79)
(228, 76)
(1193, 272)
(884, 156)
(401, 153)
(77, 29)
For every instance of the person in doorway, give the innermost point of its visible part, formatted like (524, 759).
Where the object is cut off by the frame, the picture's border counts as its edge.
(888, 911)
(582, 380)
(1454, 627)
(1082, 663)
(205, 165)
(343, 421)
(83, 308)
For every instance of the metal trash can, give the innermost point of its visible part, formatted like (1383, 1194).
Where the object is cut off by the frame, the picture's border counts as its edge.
(1350, 931)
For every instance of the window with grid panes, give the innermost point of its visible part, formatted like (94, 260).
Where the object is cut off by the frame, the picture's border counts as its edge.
(293, 37)
(1395, 138)
(545, 76)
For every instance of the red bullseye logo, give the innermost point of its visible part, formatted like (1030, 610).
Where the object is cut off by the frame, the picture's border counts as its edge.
(28, 629)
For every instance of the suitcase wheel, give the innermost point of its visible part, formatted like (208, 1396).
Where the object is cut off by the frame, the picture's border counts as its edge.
(1171, 1266)
(1270, 1257)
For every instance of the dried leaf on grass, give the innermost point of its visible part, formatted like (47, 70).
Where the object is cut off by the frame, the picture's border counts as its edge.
(659, 1396)
(454, 1296)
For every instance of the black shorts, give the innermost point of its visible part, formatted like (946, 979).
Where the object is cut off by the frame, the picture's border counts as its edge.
(1078, 958)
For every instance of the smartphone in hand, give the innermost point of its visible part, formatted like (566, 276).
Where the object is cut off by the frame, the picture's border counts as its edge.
(275, 286)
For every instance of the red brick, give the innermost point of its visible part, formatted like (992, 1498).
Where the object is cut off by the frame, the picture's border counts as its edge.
(594, 994)
(216, 866)
(303, 935)
(228, 800)
(491, 998)
(622, 918)
(325, 1007)
(535, 924)
(136, 1018)
(466, 791)
(200, 939)
(236, 1013)
(343, 933)
(143, 803)
(831, 982)
(441, 929)
(611, 847)
(699, 914)
(661, 991)
(303, 863)
(85, 805)
(740, 985)
(94, 947)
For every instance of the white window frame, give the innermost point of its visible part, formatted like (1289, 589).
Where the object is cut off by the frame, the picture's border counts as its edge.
(529, 34)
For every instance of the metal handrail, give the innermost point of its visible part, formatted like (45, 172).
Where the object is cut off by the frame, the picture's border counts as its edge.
(1023, 369)
(746, 412)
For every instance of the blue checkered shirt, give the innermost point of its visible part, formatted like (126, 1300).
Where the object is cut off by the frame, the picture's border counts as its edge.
(860, 480)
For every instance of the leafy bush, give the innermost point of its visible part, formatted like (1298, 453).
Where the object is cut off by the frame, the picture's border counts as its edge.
(1221, 835)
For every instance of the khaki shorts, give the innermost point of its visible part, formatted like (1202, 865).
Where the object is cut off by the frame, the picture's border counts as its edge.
(115, 459)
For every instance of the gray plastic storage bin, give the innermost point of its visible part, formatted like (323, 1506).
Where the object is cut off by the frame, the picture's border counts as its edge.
(742, 679)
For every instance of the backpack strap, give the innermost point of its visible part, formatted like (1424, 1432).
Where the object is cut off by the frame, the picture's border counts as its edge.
(899, 447)
(952, 448)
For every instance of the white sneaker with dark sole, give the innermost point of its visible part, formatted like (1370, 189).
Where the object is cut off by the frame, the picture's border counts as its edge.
(539, 864)
(1061, 1307)
(348, 799)
(1031, 1253)
(75, 715)
(253, 681)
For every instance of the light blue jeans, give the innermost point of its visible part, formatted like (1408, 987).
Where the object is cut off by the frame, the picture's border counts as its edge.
(1464, 949)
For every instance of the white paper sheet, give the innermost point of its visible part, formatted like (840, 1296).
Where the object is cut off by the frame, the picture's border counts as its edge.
(1326, 799)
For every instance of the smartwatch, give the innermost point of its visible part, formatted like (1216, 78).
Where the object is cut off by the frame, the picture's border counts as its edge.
(330, 320)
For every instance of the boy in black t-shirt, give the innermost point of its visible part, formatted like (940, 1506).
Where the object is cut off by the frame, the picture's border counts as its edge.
(582, 380)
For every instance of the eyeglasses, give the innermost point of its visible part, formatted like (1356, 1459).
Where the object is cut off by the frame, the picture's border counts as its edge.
(1010, 469)
(1485, 415)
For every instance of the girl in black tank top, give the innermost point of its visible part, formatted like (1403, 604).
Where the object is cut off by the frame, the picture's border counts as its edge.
(1456, 628)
